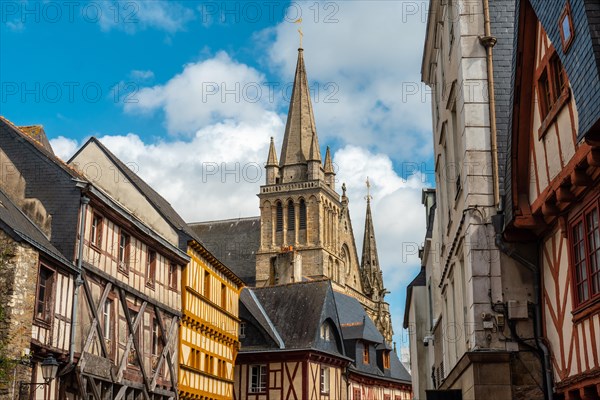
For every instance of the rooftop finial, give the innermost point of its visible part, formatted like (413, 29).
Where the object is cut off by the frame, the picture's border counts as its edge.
(368, 197)
(299, 21)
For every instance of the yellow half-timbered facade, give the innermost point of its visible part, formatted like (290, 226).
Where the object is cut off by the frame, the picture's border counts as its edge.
(209, 338)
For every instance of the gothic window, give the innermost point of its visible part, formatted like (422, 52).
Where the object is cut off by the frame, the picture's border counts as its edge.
(279, 226)
(584, 237)
(291, 222)
(302, 214)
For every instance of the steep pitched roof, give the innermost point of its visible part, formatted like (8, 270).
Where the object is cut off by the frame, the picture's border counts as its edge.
(159, 203)
(355, 322)
(249, 300)
(300, 128)
(13, 219)
(295, 310)
(234, 242)
(357, 325)
(46, 151)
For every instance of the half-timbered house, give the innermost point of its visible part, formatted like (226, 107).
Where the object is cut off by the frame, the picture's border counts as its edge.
(553, 181)
(206, 291)
(305, 341)
(209, 338)
(123, 331)
(36, 282)
(128, 330)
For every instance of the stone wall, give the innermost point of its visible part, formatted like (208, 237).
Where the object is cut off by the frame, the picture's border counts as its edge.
(18, 279)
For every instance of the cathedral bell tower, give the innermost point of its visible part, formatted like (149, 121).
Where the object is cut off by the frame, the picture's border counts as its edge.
(300, 209)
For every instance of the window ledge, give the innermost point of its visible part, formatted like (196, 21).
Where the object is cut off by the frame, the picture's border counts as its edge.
(587, 310)
(553, 113)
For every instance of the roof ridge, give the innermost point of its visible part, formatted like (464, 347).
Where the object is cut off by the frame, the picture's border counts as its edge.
(50, 156)
(314, 281)
(224, 220)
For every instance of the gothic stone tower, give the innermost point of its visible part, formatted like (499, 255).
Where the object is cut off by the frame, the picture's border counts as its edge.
(306, 230)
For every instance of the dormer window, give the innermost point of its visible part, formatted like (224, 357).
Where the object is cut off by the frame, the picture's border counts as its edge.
(386, 359)
(326, 332)
(366, 359)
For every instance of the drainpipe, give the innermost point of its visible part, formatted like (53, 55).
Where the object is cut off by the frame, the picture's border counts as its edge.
(498, 222)
(78, 281)
(489, 41)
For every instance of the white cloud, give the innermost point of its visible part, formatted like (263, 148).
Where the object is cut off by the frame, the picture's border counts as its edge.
(132, 16)
(15, 26)
(373, 59)
(64, 147)
(398, 215)
(213, 175)
(140, 75)
(205, 93)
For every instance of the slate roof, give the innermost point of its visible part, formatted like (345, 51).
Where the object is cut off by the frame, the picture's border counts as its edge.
(249, 300)
(356, 325)
(47, 151)
(234, 242)
(355, 322)
(21, 227)
(295, 311)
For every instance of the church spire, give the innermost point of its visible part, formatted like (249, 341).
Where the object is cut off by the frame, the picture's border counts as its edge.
(315, 152)
(272, 158)
(371, 271)
(328, 169)
(272, 167)
(300, 129)
(328, 164)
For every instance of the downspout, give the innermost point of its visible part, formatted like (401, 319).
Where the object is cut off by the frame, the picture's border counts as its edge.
(78, 281)
(489, 41)
(498, 222)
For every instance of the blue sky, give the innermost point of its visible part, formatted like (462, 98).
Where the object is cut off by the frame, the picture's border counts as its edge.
(189, 92)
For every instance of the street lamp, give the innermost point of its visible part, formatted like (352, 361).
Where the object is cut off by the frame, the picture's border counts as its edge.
(49, 370)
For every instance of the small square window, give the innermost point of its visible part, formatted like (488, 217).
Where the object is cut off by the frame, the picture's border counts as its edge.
(565, 24)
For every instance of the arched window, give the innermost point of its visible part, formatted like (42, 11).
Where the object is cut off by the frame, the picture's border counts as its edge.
(279, 226)
(302, 214)
(291, 223)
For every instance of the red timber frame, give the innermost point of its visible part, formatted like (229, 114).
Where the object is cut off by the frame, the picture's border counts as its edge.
(549, 217)
(291, 365)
